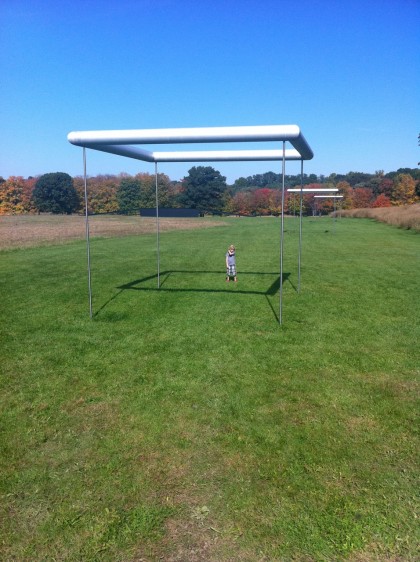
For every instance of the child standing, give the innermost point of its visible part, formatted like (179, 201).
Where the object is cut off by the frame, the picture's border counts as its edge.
(231, 264)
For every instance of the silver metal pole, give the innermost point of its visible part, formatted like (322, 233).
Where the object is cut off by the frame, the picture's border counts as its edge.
(282, 235)
(335, 218)
(87, 233)
(157, 227)
(300, 223)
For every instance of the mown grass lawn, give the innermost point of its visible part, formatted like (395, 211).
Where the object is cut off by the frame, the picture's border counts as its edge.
(185, 424)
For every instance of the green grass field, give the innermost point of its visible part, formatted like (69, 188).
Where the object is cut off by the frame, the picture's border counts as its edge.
(185, 424)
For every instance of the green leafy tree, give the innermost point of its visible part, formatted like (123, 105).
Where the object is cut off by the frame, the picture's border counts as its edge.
(174, 191)
(240, 183)
(357, 178)
(55, 193)
(204, 189)
(148, 190)
(413, 172)
(128, 195)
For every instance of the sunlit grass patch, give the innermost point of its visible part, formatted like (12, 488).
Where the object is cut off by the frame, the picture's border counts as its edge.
(184, 422)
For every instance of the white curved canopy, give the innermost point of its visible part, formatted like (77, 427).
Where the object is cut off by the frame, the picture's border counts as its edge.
(120, 142)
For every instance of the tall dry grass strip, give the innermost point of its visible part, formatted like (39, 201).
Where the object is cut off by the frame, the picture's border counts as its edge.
(407, 216)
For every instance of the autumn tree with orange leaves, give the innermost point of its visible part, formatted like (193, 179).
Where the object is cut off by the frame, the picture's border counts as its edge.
(16, 196)
(404, 191)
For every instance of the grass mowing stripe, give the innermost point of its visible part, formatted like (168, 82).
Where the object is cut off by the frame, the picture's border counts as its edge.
(186, 420)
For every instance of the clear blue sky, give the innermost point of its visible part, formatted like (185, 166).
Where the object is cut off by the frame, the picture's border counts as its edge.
(346, 71)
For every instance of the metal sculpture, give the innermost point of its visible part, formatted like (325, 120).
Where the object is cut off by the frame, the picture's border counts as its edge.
(120, 142)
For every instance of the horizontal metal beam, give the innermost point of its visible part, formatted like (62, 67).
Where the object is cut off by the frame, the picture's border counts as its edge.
(130, 152)
(187, 135)
(199, 155)
(312, 190)
(226, 155)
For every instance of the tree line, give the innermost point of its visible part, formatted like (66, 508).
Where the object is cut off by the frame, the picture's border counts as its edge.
(204, 188)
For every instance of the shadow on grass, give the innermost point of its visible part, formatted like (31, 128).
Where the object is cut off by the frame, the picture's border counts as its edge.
(232, 287)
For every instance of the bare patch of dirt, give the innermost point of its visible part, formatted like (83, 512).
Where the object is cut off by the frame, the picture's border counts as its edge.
(189, 540)
(195, 532)
(35, 230)
(361, 423)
